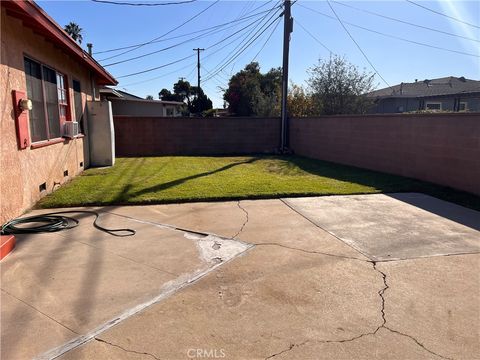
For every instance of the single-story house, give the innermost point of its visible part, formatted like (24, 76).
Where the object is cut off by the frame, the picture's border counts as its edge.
(47, 84)
(124, 103)
(443, 94)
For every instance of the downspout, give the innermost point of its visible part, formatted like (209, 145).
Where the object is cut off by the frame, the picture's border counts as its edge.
(92, 83)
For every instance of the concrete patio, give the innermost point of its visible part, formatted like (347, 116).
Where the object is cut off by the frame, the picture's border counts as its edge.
(342, 277)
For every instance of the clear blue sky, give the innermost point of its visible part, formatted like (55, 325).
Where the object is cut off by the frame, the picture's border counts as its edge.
(112, 26)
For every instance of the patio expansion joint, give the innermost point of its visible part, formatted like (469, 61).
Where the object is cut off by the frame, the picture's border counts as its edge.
(383, 325)
(39, 311)
(128, 258)
(321, 228)
(124, 349)
(311, 251)
(164, 294)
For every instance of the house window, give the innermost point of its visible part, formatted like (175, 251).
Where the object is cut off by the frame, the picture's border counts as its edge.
(463, 106)
(169, 111)
(433, 106)
(38, 125)
(77, 99)
(47, 90)
(62, 93)
(51, 102)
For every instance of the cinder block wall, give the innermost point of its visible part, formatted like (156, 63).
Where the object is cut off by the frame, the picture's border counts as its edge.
(440, 148)
(157, 136)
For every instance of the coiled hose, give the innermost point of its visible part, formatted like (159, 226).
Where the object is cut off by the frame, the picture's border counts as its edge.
(52, 222)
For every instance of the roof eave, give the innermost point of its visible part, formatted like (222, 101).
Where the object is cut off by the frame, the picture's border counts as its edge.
(34, 16)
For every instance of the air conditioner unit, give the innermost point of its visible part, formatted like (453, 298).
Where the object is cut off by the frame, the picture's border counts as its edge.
(70, 129)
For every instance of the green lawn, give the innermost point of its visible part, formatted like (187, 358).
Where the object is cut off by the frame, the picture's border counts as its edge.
(155, 180)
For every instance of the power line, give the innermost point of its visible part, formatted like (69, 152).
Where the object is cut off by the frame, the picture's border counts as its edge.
(266, 41)
(358, 46)
(392, 36)
(195, 63)
(245, 43)
(187, 66)
(405, 22)
(167, 33)
(219, 82)
(240, 20)
(181, 43)
(313, 37)
(144, 4)
(155, 68)
(279, 5)
(245, 47)
(163, 75)
(442, 14)
(182, 59)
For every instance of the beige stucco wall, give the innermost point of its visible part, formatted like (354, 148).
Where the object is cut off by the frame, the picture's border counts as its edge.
(22, 171)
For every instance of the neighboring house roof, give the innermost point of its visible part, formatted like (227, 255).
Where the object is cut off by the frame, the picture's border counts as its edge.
(129, 96)
(38, 20)
(151, 101)
(115, 94)
(109, 92)
(427, 88)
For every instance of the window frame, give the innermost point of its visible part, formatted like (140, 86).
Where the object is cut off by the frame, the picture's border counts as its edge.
(66, 105)
(464, 103)
(433, 103)
(81, 121)
(50, 140)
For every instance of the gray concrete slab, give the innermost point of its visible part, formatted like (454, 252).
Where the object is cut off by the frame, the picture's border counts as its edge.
(271, 222)
(82, 279)
(397, 226)
(220, 218)
(25, 331)
(252, 308)
(299, 293)
(384, 345)
(437, 302)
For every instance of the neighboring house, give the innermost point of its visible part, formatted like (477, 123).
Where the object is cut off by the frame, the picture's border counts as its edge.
(443, 94)
(124, 103)
(41, 63)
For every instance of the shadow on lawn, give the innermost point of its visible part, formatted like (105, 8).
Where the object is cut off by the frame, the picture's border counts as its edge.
(159, 187)
(384, 183)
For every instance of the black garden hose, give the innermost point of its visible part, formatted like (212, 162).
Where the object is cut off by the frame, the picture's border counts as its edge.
(52, 222)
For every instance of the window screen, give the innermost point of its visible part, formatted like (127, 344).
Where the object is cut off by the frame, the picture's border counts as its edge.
(38, 125)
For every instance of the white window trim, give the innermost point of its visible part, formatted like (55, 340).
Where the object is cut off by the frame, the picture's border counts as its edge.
(466, 105)
(433, 103)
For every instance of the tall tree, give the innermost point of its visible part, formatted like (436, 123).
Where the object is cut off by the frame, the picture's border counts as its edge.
(197, 102)
(200, 104)
(149, 97)
(74, 31)
(300, 103)
(339, 87)
(251, 93)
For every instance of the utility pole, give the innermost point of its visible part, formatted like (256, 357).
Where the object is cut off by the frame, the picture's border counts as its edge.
(198, 68)
(287, 30)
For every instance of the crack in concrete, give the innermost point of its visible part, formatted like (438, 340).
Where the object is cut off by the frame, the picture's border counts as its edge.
(286, 350)
(244, 223)
(383, 325)
(126, 350)
(417, 342)
(381, 292)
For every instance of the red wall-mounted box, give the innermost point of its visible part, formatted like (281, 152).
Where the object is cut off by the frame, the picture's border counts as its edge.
(21, 120)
